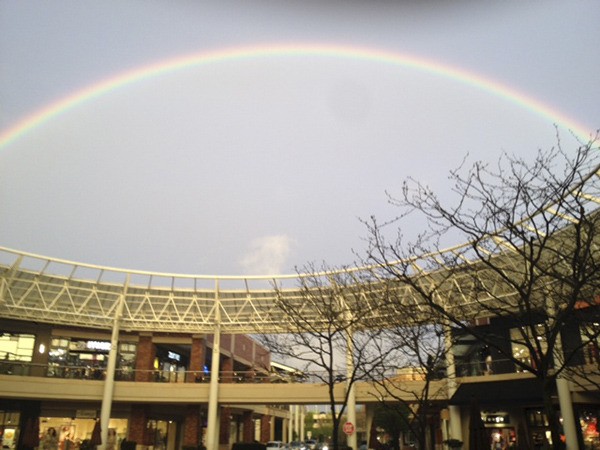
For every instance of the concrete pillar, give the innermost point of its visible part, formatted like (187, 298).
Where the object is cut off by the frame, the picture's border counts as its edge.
(454, 411)
(371, 430)
(291, 424)
(302, 420)
(566, 410)
(564, 395)
(351, 440)
(212, 429)
(109, 379)
(296, 434)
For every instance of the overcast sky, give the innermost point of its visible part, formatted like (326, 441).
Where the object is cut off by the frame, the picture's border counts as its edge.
(257, 165)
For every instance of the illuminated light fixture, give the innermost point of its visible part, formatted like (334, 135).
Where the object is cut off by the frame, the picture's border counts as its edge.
(42, 349)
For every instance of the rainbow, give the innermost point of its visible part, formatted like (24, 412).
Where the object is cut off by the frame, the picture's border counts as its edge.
(122, 80)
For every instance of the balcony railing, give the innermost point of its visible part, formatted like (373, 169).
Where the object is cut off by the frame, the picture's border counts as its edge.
(24, 368)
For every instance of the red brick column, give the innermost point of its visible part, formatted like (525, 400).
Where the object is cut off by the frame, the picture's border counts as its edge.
(191, 426)
(225, 425)
(248, 427)
(227, 370)
(197, 360)
(137, 424)
(146, 352)
(265, 428)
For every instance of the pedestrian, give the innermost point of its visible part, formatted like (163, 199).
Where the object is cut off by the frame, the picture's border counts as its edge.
(50, 440)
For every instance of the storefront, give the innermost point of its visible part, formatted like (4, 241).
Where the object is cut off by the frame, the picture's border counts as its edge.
(15, 348)
(589, 419)
(9, 429)
(170, 364)
(74, 432)
(87, 359)
(500, 429)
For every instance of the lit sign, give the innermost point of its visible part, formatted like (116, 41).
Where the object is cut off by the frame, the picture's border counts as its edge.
(174, 356)
(497, 418)
(98, 345)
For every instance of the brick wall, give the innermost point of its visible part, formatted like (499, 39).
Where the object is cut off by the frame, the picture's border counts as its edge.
(137, 424)
(265, 428)
(197, 359)
(191, 426)
(146, 352)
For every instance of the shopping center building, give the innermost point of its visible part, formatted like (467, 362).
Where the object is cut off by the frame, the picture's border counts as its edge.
(167, 360)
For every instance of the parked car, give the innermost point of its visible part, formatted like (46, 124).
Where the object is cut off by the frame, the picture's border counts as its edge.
(275, 445)
(310, 444)
(297, 445)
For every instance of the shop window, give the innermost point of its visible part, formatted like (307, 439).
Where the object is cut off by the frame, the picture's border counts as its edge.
(126, 362)
(82, 359)
(589, 335)
(537, 418)
(16, 347)
(520, 351)
(589, 429)
(9, 429)
(57, 357)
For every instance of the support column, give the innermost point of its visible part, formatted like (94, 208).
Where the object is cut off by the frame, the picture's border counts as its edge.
(109, 380)
(302, 420)
(191, 426)
(136, 430)
(371, 430)
(453, 410)
(248, 426)
(265, 428)
(291, 424)
(212, 431)
(197, 360)
(566, 410)
(351, 440)
(225, 426)
(564, 395)
(296, 435)
(144, 363)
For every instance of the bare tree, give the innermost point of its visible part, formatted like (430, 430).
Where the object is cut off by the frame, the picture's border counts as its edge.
(325, 332)
(531, 259)
(409, 379)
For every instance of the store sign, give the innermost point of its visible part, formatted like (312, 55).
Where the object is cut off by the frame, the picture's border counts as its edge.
(175, 356)
(98, 345)
(81, 346)
(86, 414)
(498, 419)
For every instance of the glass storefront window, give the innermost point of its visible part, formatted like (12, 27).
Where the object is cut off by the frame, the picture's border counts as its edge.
(9, 429)
(590, 432)
(520, 351)
(16, 347)
(57, 357)
(126, 362)
(591, 350)
(72, 358)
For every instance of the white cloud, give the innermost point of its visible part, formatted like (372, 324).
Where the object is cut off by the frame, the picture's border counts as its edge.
(267, 255)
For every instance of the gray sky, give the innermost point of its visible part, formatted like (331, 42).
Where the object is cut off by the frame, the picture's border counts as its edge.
(256, 165)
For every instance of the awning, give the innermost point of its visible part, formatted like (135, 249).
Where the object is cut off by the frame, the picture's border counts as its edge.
(526, 390)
